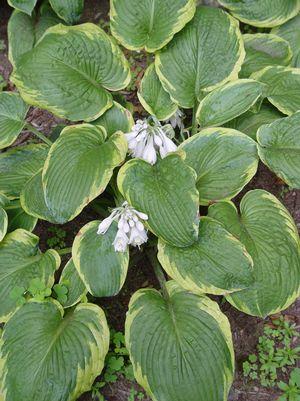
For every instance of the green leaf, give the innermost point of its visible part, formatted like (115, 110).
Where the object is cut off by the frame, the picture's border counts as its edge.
(216, 264)
(262, 50)
(61, 293)
(263, 13)
(101, 268)
(68, 10)
(271, 238)
(155, 100)
(3, 223)
(12, 117)
(180, 347)
(290, 31)
(45, 355)
(18, 165)
(78, 168)
(194, 61)
(117, 118)
(166, 192)
(225, 160)
(20, 262)
(229, 101)
(74, 89)
(249, 122)
(76, 288)
(46, 19)
(283, 87)
(139, 24)
(25, 6)
(18, 218)
(279, 148)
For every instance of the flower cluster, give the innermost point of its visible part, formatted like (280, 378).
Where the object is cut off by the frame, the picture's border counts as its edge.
(176, 120)
(131, 230)
(149, 137)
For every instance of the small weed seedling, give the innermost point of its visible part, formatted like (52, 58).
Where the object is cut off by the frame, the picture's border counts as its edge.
(291, 391)
(57, 239)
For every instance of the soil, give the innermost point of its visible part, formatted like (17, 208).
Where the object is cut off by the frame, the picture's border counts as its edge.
(245, 329)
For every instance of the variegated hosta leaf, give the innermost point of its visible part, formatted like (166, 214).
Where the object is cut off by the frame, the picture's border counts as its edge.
(155, 100)
(18, 165)
(73, 89)
(18, 218)
(263, 13)
(283, 87)
(279, 148)
(249, 122)
(216, 264)
(262, 50)
(225, 160)
(270, 236)
(207, 53)
(78, 168)
(48, 356)
(167, 193)
(12, 117)
(101, 268)
(139, 24)
(290, 31)
(117, 118)
(68, 10)
(4, 201)
(26, 6)
(46, 19)
(180, 347)
(20, 262)
(229, 101)
(76, 288)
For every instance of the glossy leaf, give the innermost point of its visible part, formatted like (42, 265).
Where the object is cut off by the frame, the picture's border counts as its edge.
(78, 168)
(12, 117)
(68, 10)
(270, 236)
(283, 87)
(180, 347)
(279, 148)
(229, 101)
(216, 264)
(262, 50)
(26, 6)
(69, 352)
(20, 262)
(225, 160)
(101, 268)
(194, 61)
(262, 13)
(139, 24)
(18, 218)
(74, 89)
(76, 288)
(166, 192)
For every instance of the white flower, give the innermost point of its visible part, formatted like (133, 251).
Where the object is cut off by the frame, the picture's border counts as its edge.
(176, 120)
(148, 138)
(131, 230)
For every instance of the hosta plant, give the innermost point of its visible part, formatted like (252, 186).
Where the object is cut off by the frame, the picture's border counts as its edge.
(147, 179)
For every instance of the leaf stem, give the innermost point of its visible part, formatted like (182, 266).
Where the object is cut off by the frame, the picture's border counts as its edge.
(194, 121)
(39, 134)
(64, 251)
(158, 272)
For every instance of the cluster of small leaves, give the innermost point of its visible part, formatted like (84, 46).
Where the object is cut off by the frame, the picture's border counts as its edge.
(275, 353)
(57, 240)
(291, 390)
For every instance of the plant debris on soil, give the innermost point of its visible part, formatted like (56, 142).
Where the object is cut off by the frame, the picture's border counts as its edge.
(246, 329)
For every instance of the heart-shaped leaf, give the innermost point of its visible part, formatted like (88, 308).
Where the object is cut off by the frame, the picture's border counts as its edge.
(262, 13)
(229, 101)
(216, 264)
(279, 148)
(270, 236)
(155, 100)
(78, 168)
(139, 24)
(262, 50)
(18, 165)
(180, 347)
(20, 262)
(12, 117)
(76, 287)
(225, 160)
(166, 192)
(76, 87)
(194, 61)
(283, 87)
(69, 352)
(101, 268)
(18, 218)
(68, 10)
(26, 6)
